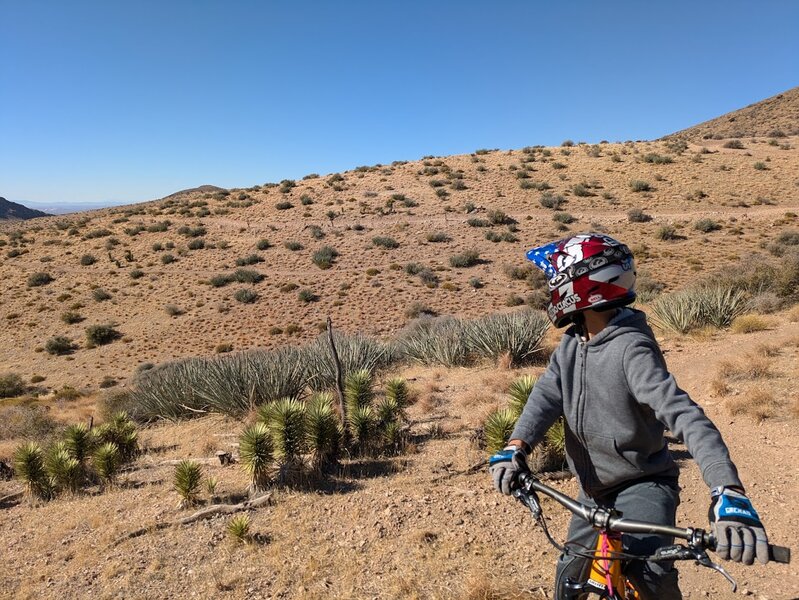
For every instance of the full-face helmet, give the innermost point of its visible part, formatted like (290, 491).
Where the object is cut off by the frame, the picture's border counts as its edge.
(588, 270)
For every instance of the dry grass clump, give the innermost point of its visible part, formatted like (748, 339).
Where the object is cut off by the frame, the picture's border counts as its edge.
(748, 368)
(749, 324)
(759, 404)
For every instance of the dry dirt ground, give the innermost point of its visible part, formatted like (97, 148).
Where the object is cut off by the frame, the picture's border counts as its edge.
(421, 525)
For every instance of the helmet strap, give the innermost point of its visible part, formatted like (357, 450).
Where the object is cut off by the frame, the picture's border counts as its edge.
(579, 325)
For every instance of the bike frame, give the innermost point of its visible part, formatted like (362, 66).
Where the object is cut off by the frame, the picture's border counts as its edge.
(606, 577)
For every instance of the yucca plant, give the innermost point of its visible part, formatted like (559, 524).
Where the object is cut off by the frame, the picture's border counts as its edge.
(556, 439)
(322, 430)
(392, 436)
(498, 427)
(285, 419)
(239, 528)
(436, 341)
(106, 461)
(210, 485)
(518, 335)
(358, 389)
(256, 451)
(388, 411)
(79, 442)
(120, 430)
(520, 391)
(29, 467)
(362, 427)
(187, 479)
(64, 471)
(397, 390)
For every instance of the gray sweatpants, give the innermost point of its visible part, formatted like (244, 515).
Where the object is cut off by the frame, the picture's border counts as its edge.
(645, 501)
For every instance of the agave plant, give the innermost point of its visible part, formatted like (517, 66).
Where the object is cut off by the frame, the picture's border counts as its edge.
(362, 426)
(358, 389)
(187, 480)
(520, 391)
(64, 471)
(29, 467)
(255, 452)
(397, 390)
(498, 427)
(106, 460)
(239, 528)
(79, 442)
(322, 430)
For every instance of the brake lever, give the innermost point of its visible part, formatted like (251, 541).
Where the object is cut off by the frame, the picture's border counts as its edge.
(703, 559)
(530, 500)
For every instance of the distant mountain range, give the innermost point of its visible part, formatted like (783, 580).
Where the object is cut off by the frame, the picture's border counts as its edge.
(12, 211)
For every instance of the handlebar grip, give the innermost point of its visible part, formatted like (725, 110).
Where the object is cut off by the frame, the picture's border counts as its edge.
(779, 554)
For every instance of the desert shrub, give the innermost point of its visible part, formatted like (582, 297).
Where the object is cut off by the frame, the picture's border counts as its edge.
(517, 335)
(39, 279)
(245, 295)
(749, 324)
(706, 225)
(284, 205)
(468, 258)
(136, 274)
(99, 335)
(666, 233)
(477, 222)
(100, 295)
(582, 191)
(251, 259)
(87, 259)
(59, 345)
(418, 309)
(637, 185)
(307, 296)
(761, 166)
(247, 276)
(636, 215)
(428, 278)
(385, 242)
(192, 232)
(734, 144)
(498, 217)
(11, 385)
(437, 237)
(325, 257)
(168, 259)
(700, 306)
(657, 159)
(550, 200)
(71, 317)
(646, 288)
(29, 422)
(173, 310)
(356, 352)
(563, 217)
(263, 244)
(218, 281)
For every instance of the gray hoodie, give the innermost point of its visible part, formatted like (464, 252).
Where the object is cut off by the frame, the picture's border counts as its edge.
(616, 395)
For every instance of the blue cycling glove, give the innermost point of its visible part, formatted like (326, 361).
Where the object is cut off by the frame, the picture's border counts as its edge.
(740, 536)
(505, 465)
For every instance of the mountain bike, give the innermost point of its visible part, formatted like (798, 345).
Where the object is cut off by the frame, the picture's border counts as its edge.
(602, 572)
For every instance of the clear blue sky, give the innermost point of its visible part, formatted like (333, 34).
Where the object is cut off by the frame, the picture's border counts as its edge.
(130, 101)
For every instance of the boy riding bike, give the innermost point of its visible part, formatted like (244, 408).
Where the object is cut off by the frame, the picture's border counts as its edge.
(608, 379)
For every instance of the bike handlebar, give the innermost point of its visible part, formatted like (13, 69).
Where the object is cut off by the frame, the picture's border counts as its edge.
(611, 520)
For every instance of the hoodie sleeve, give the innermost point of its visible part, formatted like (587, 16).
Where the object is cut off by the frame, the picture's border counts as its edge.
(543, 407)
(652, 385)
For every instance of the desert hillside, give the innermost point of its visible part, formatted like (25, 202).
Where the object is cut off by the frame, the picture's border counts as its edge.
(774, 117)
(92, 302)
(14, 211)
(163, 272)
